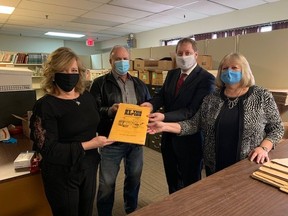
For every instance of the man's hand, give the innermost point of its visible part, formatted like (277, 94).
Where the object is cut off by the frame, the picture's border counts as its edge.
(156, 117)
(147, 104)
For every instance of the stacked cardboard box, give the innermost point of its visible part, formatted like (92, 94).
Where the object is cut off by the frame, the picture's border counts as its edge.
(158, 77)
(145, 64)
(281, 99)
(280, 96)
(133, 73)
(205, 61)
(144, 75)
(93, 74)
(166, 65)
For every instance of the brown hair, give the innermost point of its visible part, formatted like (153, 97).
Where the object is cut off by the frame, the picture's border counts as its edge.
(57, 62)
(187, 40)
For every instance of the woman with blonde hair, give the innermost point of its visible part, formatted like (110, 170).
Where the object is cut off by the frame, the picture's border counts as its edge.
(238, 120)
(63, 130)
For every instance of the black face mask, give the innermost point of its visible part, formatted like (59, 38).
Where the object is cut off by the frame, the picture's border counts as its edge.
(66, 81)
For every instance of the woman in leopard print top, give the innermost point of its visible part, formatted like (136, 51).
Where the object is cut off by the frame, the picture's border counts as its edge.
(238, 120)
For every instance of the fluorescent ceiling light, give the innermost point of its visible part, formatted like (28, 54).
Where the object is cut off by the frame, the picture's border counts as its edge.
(59, 34)
(6, 9)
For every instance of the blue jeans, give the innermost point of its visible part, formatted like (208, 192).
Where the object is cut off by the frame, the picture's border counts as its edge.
(111, 157)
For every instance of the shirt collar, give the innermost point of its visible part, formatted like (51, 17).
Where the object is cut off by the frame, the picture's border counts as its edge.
(190, 70)
(116, 75)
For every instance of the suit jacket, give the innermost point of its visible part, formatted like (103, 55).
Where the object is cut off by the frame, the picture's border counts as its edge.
(185, 104)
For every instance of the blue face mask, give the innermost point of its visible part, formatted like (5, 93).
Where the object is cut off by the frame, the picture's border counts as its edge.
(231, 77)
(122, 66)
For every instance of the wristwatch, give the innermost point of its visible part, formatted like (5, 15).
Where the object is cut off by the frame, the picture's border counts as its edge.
(264, 148)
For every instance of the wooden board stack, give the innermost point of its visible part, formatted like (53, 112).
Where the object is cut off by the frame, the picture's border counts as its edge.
(275, 173)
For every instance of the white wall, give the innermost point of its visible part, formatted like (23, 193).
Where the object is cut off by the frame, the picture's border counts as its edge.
(256, 15)
(34, 44)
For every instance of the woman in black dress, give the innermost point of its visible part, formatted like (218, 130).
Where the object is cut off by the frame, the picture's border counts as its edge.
(63, 130)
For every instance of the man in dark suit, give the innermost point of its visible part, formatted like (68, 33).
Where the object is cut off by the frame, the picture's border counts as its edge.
(181, 96)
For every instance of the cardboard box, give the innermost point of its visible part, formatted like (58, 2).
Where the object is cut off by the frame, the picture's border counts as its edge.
(97, 73)
(213, 72)
(131, 64)
(280, 96)
(281, 99)
(144, 75)
(133, 73)
(158, 77)
(147, 64)
(25, 124)
(26, 128)
(165, 65)
(205, 61)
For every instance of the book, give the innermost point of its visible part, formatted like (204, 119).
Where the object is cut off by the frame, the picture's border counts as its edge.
(130, 124)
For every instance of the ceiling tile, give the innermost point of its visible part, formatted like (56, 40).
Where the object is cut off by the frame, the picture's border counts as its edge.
(208, 8)
(148, 23)
(239, 4)
(10, 3)
(76, 4)
(100, 22)
(173, 2)
(110, 18)
(107, 17)
(141, 5)
(184, 14)
(48, 8)
(122, 11)
(40, 15)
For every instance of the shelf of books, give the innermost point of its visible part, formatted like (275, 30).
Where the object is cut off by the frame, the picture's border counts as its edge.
(32, 61)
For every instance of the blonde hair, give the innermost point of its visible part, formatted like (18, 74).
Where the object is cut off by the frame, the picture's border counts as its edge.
(57, 62)
(247, 76)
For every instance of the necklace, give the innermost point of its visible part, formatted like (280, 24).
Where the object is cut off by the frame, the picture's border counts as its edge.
(234, 102)
(77, 102)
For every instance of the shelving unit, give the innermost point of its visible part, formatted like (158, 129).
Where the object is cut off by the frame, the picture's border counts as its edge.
(31, 61)
(36, 75)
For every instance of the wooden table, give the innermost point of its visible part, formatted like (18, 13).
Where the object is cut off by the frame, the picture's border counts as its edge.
(230, 192)
(21, 193)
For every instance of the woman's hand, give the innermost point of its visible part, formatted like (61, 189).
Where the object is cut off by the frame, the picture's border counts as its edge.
(259, 155)
(155, 127)
(97, 142)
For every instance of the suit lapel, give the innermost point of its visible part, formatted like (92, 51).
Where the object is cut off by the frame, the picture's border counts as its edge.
(189, 80)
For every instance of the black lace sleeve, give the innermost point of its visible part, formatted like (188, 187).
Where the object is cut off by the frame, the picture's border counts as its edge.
(45, 136)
